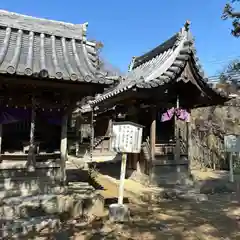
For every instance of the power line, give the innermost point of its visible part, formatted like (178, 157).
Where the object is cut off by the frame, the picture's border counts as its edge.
(226, 60)
(230, 73)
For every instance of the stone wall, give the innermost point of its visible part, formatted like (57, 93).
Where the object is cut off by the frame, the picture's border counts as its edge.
(208, 127)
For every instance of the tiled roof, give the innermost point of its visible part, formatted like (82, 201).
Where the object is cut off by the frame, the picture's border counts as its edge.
(159, 66)
(156, 51)
(49, 49)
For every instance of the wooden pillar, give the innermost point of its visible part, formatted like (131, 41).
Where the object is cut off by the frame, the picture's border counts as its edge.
(1, 133)
(189, 144)
(177, 147)
(31, 153)
(177, 136)
(138, 163)
(110, 134)
(92, 135)
(63, 146)
(77, 143)
(153, 133)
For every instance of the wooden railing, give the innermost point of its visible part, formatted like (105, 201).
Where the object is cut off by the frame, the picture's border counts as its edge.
(165, 148)
(170, 148)
(100, 141)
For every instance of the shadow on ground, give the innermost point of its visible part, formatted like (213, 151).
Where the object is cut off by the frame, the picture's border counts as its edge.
(217, 218)
(179, 220)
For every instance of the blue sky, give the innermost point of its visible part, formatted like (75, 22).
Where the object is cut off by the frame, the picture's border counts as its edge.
(130, 28)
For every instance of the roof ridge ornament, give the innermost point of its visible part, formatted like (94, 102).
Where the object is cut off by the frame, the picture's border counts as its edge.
(130, 67)
(84, 28)
(185, 28)
(187, 25)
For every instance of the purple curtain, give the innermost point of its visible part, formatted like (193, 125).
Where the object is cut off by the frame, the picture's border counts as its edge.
(181, 114)
(55, 121)
(52, 117)
(11, 115)
(167, 115)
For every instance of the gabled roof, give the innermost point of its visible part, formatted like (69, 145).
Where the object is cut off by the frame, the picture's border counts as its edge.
(44, 48)
(160, 65)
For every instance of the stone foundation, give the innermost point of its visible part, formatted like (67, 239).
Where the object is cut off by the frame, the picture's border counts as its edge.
(32, 201)
(170, 174)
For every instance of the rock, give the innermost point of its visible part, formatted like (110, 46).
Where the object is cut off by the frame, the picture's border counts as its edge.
(22, 227)
(216, 186)
(49, 205)
(193, 196)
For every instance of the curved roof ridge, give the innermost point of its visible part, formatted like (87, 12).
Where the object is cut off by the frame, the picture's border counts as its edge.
(42, 25)
(170, 43)
(159, 69)
(37, 47)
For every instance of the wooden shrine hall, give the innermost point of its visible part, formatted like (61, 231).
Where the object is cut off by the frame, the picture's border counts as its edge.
(46, 67)
(158, 92)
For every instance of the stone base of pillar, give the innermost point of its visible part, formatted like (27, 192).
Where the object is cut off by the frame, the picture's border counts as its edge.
(119, 213)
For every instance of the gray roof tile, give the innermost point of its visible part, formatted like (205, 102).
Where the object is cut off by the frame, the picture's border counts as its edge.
(45, 48)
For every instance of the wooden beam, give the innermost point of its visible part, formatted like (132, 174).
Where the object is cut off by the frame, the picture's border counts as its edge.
(77, 143)
(189, 144)
(1, 132)
(177, 135)
(92, 135)
(31, 151)
(75, 86)
(153, 133)
(63, 146)
(110, 134)
(19, 97)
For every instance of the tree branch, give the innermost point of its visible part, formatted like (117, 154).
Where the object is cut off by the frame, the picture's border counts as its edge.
(229, 12)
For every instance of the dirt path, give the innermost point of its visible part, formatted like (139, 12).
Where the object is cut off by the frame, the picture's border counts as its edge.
(218, 218)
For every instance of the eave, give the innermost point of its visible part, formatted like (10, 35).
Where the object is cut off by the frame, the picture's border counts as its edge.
(163, 69)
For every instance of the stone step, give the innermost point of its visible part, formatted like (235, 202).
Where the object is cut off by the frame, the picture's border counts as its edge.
(46, 188)
(99, 153)
(23, 227)
(28, 182)
(23, 157)
(70, 205)
(24, 172)
(80, 185)
(32, 192)
(165, 161)
(81, 190)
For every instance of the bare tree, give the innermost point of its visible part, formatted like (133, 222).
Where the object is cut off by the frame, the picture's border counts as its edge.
(108, 67)
(231, 73)
(103, 64)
